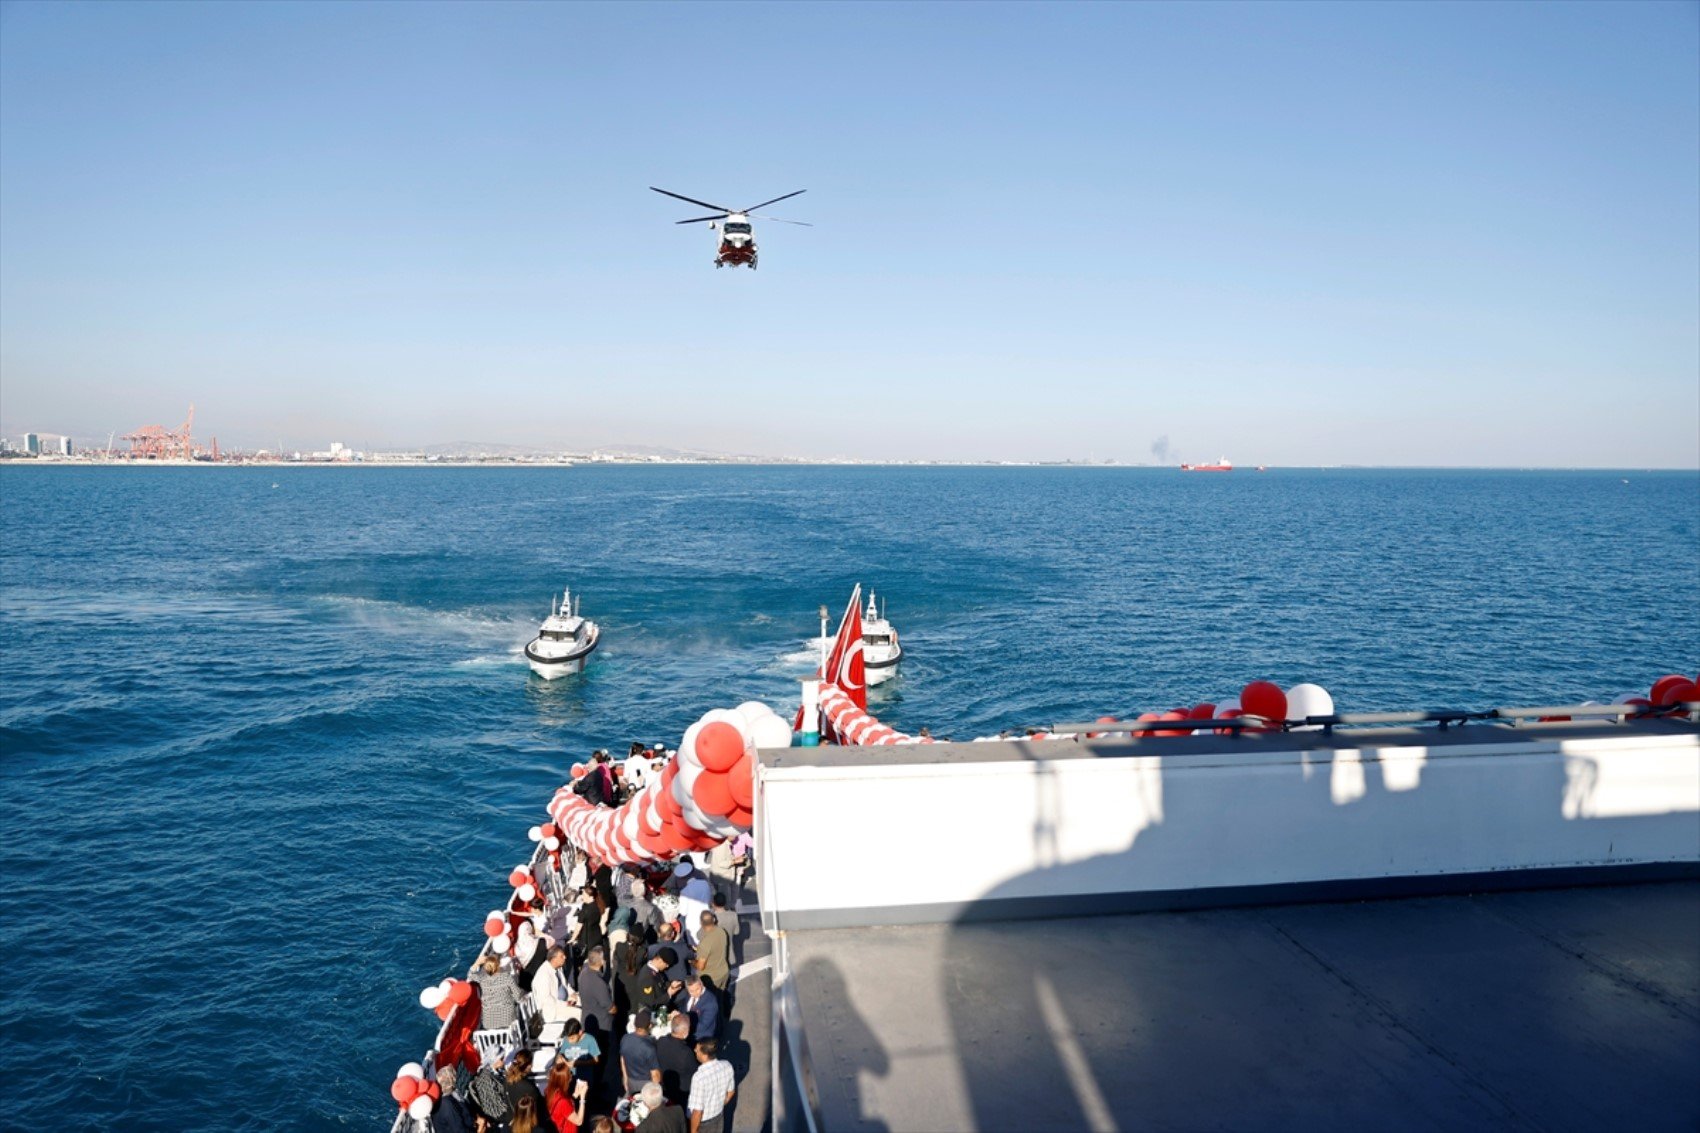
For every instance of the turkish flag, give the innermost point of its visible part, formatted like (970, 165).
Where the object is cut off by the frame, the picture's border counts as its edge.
(844, 665)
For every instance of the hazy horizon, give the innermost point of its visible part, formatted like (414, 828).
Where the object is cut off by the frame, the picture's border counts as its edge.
(1389, 235)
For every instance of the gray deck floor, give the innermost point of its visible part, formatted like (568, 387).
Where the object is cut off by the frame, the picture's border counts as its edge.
(1557, 1009)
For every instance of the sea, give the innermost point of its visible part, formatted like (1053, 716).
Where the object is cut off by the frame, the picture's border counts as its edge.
(269, 747)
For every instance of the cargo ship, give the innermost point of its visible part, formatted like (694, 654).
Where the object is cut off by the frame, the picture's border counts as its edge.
(1223, 464)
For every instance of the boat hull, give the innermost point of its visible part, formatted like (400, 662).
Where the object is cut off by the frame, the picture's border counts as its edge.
(554, 666)
(876, 671)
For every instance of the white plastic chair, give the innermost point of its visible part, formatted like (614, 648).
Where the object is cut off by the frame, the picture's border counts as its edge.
(495, 1045)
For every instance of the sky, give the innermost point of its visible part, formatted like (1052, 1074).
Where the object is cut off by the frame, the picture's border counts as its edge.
(1290, 234)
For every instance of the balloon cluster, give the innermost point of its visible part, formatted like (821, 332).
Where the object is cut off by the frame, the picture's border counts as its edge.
(413, 1093)
(1264, 699)
(705, 795)
(445, 997)
(1667, 692)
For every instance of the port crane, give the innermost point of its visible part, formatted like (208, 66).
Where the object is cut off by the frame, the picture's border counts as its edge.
(737, 237)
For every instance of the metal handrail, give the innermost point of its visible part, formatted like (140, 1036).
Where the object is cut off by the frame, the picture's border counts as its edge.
(1443, 717)
(556, 883)
(788, 1035)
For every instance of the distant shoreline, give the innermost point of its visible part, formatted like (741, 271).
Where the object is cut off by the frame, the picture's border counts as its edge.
(1246, 472)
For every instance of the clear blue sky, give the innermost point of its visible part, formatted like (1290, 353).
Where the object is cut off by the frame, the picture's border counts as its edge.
(1289, 234)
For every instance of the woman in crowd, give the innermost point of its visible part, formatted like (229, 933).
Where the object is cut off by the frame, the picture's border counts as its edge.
(564, 1096)
(590, 911)
(497, 992)
(526, 1097)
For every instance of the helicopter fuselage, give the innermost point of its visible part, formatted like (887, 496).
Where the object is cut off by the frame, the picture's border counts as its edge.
(737, 242)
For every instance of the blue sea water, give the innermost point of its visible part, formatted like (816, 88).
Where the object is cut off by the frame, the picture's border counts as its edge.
(268, 747)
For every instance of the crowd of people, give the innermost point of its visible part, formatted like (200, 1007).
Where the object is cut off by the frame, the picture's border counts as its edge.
(632, 970)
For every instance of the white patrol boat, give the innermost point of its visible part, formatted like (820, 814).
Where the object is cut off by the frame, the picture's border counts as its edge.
(880, 650)
(563, 642)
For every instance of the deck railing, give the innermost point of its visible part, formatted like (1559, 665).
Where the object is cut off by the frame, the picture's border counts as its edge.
(554, 891)
(1445, 718)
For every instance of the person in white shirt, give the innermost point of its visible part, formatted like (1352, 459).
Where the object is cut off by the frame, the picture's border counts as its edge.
(549, 990)
(711, 1088)
(694, 900)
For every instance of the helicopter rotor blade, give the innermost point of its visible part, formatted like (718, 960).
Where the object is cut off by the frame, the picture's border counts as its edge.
(700, 219)
(782, 220)
(775, 200)
(691, 200)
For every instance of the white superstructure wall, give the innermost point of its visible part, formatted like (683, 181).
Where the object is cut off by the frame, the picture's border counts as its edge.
(1040, 828)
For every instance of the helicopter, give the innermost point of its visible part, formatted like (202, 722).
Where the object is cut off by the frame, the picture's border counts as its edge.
(737, 238)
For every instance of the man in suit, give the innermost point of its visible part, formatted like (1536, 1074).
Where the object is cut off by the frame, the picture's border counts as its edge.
(698, 1001)
(549, 991)
(595, 994)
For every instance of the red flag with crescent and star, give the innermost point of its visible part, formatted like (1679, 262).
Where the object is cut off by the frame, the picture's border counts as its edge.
(844, 662)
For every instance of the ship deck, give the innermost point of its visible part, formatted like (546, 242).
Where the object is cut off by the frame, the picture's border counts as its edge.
(1551, 1009)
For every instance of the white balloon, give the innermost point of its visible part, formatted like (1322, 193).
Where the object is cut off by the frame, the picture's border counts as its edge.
(754, 711)
(420, 1107)
(535, 833)
(771, 731)
(1224, 705)
(693, 814)
(431, 996)
(687, 753)
(1308, 700)
(527, 891)
(685, 782)
(502, 943)
(410, 1070)
(1625, 697)
(552, 843)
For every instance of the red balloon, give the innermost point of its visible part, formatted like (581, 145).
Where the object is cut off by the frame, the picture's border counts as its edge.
(494, 927)
(1682, 690)
(580, 771)
(1664, 683)
(713, 793)
(459, 992)
(719, 745)
(433, 1090)
(739, 780)
(1230, 714)
(445, 1009)
(1205, 711)
(1264, 698)
(404, 1090)
(741, 817)
(1173, 714)
(550, 830)
(519, 877)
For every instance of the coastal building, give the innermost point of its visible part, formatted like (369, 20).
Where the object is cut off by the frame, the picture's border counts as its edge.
(64, 446)
(32, 443)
